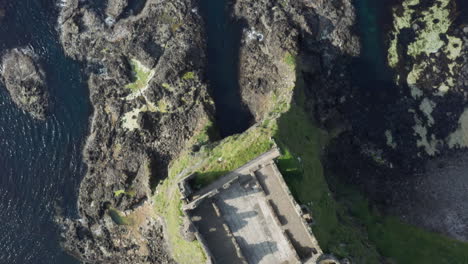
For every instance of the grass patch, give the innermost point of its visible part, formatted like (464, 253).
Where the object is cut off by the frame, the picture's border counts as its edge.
(119, 192)
(168, 205)
(301, 143)
(118, 217)
(290, 59)
(130, 193)
(141, 76)
(188, 76)
(232, 153)
(163, 106)
(208, 134)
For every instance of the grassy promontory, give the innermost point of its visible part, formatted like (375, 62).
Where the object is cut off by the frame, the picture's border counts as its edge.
(346, 224)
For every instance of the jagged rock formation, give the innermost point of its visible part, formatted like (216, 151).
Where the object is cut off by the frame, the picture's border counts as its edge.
(24, 79)
(146, 85)
(116, 7)
(315, 34)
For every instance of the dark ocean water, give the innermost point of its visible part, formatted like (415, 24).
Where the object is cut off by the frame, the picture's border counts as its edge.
(223, 42)
(40, 162)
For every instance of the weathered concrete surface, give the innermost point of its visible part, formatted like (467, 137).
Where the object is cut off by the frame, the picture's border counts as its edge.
(253, 204)
(303, 242)
(247, 213)
(212, 230)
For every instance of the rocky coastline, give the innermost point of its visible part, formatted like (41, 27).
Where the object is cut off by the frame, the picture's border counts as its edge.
(25, 80)
(145, 76)
(147, 87)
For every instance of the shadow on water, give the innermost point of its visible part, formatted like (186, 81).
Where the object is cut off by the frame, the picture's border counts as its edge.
(134, 7)
(378, 103)
(40, 162)
(223, 41)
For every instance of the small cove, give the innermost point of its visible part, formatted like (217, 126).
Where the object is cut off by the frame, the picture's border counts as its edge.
(223, 38)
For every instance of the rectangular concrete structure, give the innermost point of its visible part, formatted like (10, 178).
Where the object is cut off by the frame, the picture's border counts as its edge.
(249, 216)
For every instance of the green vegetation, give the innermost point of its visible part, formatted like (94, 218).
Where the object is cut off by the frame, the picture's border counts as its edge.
(141, 75)
(290, 59)
(233, 153)
(119, 192)
(118, 217)
(208, 134)
(167, 86)
(395, 240)
(130, 193)
(188, 76)
(302, 143)
(345, 224)
(162, 107)
(168, 205)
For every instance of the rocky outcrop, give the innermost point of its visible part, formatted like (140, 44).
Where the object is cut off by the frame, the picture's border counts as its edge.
(428, 51)
(115, 7)
(285, 42)
(24, 79)
(145, 76)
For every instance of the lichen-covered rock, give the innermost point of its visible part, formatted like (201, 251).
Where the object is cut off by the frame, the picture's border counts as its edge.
(427, 51)
(24, 79)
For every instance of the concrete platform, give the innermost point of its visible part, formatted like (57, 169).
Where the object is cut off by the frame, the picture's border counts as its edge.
(249, 216)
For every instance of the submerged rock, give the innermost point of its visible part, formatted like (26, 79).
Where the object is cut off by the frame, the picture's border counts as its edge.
(24, 79)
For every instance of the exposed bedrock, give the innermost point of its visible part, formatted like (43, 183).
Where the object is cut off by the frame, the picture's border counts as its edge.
(145, 76)
(116, 7)
(278, 36)
(24, 79)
